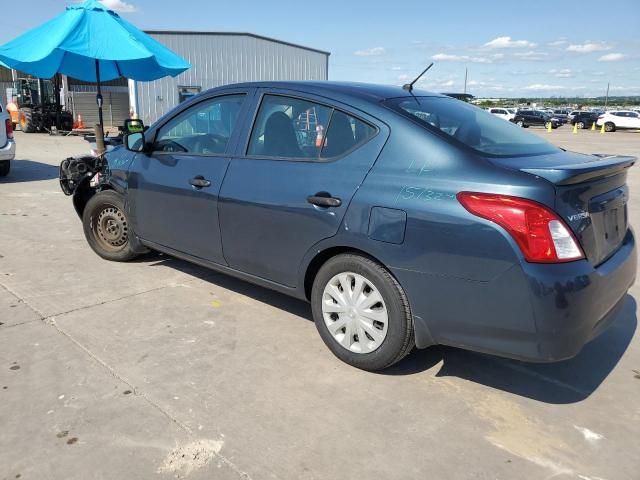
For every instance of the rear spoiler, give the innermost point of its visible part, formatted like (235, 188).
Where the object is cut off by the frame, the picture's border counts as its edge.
(603, 166)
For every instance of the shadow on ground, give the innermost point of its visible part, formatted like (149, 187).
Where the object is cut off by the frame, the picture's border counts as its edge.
(564, 382)
(568, 381)
(29, 171)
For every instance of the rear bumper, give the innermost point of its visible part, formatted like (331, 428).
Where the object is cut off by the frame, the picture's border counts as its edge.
(573, 303)
(8, 152)
(531, 312)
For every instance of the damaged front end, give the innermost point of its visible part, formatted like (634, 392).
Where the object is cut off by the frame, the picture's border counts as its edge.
(78, 172)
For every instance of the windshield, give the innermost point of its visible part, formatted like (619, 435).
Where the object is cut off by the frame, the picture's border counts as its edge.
(471, 126)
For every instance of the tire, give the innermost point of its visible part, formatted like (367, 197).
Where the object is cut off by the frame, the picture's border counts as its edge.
(548, 125)
(609, 127)
(520, 123)
(384, 344)
(106, 227)
(26, 121)
(5, 168)
(580, 125)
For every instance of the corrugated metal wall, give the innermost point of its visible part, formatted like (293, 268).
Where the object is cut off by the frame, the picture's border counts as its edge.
(221, 59)
(115, 107)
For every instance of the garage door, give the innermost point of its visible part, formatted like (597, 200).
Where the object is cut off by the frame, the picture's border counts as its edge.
(115, 107)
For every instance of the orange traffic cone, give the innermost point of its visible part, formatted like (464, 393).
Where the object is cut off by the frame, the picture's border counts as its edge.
(319, 136)
(79, 123)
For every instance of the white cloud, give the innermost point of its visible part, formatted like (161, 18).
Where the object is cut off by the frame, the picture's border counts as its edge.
(611, 57)
(543, 87)
(589, 47)
(445, 57)
(119, 6)
(506, 42)
(558, 43)
(563, 73)
(370, 52)
(532, 55)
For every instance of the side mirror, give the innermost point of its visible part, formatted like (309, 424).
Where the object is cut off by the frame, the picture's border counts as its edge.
(134, 125)
(135, 142)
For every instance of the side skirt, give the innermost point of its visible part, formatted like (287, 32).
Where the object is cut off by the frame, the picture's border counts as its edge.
(292, 292)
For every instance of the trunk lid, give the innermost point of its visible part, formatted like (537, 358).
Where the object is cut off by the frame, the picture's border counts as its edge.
(591, 195)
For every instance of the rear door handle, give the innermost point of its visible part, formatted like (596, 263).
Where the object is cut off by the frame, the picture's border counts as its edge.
(200, 182)
(324, 199)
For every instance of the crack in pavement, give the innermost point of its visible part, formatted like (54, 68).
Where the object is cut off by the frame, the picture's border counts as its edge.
(51, 320)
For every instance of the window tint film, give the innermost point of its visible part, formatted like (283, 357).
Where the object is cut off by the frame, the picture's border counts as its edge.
(344, 133)
(203, 129)
(471, 126)
(288, 128)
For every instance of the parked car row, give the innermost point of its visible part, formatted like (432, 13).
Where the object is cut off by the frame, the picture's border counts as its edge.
(612, 120)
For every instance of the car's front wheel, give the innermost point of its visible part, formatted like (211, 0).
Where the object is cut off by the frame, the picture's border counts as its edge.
(580, 125)
(362, 312)
(520, 123)
(106, 227)
(609, 127)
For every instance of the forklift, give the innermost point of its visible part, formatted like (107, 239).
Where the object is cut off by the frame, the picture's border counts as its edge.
(36, 106)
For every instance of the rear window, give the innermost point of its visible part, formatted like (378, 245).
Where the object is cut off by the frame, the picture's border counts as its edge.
(471, 126)
(295, 128)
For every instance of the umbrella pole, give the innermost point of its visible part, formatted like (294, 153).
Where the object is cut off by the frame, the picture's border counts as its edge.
(100, 127)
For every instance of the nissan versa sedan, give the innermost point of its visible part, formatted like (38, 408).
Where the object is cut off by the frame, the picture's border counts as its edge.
(405, 218)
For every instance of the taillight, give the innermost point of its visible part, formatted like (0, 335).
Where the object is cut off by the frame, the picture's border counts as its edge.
(9, 127)
(541, 235)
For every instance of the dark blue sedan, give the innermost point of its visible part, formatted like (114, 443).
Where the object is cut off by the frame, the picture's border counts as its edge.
(405, 217)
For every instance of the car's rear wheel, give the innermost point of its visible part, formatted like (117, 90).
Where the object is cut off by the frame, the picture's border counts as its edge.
(361, 312)
(580, 125)
(520, 123)
(106, 227)
(5, 167)
(548, 125)
(609, 127)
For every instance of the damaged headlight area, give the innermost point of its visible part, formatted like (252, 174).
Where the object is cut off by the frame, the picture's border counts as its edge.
(74, 170)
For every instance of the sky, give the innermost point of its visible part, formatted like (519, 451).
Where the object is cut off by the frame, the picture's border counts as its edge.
(511, 48)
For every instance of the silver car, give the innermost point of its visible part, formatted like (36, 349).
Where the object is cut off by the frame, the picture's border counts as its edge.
(7, 143)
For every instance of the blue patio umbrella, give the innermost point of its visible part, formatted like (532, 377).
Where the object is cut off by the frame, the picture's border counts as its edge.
(91, 43)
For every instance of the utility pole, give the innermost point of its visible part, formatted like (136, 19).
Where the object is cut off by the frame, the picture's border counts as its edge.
(606, 98)
(466, 70)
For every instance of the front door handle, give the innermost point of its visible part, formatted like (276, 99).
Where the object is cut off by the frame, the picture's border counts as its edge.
(324, 199)
(200, 182)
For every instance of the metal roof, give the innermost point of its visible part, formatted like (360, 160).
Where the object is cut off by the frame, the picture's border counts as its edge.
(241, 34)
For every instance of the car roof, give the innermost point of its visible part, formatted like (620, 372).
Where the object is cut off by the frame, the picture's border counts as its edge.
(365, 91)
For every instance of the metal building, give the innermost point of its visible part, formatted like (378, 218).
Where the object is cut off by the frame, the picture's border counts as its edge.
(219, 59)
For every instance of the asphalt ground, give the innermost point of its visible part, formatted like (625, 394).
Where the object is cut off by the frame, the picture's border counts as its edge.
(162, 369)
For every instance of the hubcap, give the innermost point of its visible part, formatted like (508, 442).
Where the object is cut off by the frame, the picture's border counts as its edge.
(354, 312)
(111, 228)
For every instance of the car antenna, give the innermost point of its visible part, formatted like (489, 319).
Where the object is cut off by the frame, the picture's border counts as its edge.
(409, 86)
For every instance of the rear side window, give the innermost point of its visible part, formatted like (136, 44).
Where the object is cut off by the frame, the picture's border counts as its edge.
(294, 128)
(471, 126)
(345, 133)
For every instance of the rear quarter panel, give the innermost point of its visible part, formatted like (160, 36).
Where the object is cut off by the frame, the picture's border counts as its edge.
(460, 272)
